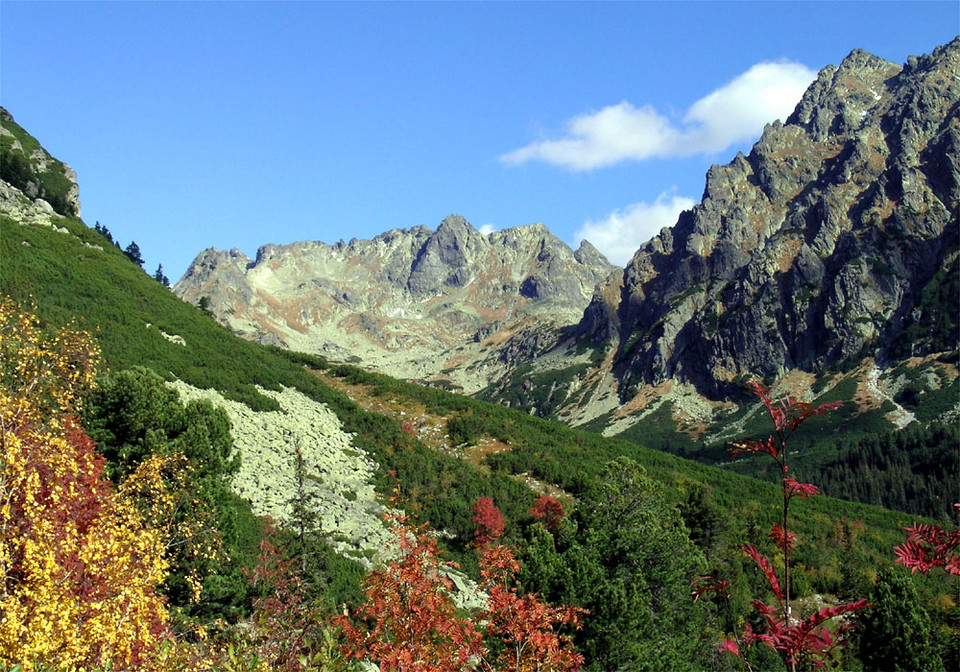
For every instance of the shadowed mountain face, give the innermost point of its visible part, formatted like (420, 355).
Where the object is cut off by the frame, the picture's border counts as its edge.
(834, 240)
(410, 302)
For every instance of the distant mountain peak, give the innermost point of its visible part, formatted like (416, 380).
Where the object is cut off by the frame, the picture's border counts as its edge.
(413, 302)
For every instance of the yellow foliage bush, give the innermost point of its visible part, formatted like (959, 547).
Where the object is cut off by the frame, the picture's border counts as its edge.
(79, 569)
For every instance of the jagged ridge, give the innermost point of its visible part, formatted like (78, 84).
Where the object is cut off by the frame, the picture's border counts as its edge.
(404, 301)
(819, 248)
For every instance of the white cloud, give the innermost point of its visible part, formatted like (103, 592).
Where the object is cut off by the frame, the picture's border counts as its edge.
(613, 134)
(739, 110)
(623, 231)
(735, 112)
(487, 229)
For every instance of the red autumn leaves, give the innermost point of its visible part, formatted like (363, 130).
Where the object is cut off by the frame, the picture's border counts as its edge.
(410, 621)
(800, 643)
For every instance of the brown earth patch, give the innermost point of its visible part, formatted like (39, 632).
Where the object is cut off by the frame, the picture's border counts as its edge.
(479, 453)
(786, 253)
(796, 383)
(643, 398)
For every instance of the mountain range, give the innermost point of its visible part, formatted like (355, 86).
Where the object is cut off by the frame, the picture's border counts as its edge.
(826, 257)
(412, 303)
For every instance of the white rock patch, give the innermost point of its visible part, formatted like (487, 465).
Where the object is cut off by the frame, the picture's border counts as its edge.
(338, 475)
(900, 417)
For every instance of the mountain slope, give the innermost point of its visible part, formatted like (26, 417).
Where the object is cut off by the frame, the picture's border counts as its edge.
(47, 182)
(415, 303)
(826, 258)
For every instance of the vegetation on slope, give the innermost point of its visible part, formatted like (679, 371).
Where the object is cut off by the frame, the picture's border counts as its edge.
(21, 168)
(68, 277)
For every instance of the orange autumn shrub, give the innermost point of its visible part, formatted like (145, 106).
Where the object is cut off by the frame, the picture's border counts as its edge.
(410, 622)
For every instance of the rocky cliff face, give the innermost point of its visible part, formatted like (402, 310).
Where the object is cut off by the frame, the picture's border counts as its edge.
(834, 240)
(413, 303)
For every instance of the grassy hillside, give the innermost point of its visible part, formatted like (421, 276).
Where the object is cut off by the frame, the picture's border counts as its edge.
(478, 449)
(69, 278)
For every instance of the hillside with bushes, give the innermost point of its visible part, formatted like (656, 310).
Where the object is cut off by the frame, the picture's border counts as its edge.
(490, 513)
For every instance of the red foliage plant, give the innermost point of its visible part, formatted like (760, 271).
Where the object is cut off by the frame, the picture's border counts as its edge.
(410, 622)
(526, 627)
(548, 511)
(787, 414)
(930, 546)
(800, 643)
(285, 626)
(489, 521)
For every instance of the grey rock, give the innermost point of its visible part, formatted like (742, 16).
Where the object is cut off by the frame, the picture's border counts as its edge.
(414, 303)
(814, 249)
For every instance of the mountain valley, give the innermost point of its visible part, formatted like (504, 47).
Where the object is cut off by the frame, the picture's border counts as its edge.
(825, 260)
(424, 375)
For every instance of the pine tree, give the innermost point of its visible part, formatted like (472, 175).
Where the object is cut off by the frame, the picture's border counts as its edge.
(897, 634)
(308, 540)
(160, 277)
(133, 253)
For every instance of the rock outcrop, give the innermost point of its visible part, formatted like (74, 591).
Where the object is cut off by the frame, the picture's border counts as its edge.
(336, 475)
(413, 303)
(29, 168)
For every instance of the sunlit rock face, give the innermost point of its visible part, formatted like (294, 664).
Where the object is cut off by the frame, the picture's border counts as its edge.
(414, 303)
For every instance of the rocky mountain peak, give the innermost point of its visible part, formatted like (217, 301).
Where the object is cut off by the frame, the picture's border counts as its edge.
(455, 223)
(446, 256)
(816, 247)
(839, 99)
(408, 300)
(587, 252)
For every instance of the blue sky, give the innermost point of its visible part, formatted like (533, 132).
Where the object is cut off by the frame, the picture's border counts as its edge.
(227, 124)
